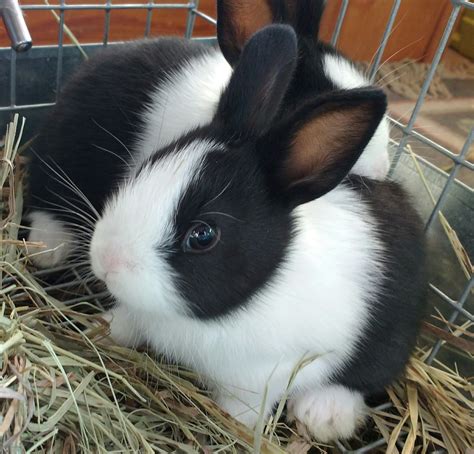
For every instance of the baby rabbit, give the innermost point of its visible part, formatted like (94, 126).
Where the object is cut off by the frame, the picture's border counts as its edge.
(128, 101)
(243, 249)
(320, 68)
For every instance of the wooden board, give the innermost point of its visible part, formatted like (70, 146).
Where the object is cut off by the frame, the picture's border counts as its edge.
(88, 25)
(416, 33)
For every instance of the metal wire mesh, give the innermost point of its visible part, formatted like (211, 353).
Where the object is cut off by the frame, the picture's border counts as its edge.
(78, 290)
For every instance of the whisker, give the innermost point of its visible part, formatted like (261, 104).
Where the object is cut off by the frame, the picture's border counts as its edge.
(66, 182)
(78, 191)
(80, 213)
(397, 52)
(117, 139)
(113, 154)
(222, 214)
(391, 81)
(220, 193)
(66, 210)
(392, 71)
(380, 45)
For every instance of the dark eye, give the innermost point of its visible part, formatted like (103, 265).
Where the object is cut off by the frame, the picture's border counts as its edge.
(201, 238)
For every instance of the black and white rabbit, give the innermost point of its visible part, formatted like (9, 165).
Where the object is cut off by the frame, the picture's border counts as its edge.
(320, 68)
(242, 250)
(264, 294)
(131, 100)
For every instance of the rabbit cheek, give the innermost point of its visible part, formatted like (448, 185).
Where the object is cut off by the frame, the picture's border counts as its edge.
(136, 235)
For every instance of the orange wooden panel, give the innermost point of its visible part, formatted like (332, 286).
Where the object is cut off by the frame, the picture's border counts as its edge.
(88, 25)
(418, 25)
(416, 32)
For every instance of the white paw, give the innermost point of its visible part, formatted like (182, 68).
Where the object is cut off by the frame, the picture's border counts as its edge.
(122, 330)
(330, 413)
(247, 407)
(55, 238)
(240, 410)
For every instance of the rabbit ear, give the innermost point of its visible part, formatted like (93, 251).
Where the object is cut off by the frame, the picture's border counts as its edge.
(317, 146)
(259, 82)
(238, 20)
(305, 16)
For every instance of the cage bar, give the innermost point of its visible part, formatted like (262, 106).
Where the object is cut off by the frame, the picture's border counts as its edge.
(12, 79)
(452, 176)
(149, 17)
(15, 25)
(105, 40)
(92, 6)
(59, 71)
(386, 35)
(455, 314)
(454, 304)
(340, 20)
(191, 19)
(424, 88)
(436, 146)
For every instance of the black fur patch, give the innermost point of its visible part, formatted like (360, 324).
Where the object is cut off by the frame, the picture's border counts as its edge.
(255, 233)
(390, 336)
(99, 110)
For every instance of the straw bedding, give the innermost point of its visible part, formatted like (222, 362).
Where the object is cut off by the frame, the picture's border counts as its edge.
(64, 388)
(405, 78)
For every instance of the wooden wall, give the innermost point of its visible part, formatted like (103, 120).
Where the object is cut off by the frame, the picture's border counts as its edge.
(416, 32)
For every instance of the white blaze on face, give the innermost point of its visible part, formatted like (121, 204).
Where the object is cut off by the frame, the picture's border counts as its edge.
(130, 241)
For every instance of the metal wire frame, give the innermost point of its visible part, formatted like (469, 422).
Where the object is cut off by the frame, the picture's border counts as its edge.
(457, 303)
(107, 7)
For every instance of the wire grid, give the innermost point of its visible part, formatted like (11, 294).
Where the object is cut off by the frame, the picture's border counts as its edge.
(88, 292)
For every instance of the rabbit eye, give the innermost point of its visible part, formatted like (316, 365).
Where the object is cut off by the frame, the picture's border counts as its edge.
(201, 237)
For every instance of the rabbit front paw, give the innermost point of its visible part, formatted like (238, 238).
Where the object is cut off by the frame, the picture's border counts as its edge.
(122, 329)
(329, 413)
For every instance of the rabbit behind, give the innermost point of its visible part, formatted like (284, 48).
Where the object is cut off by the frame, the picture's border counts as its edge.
(320, 69)
(122, 105)
(243, 249)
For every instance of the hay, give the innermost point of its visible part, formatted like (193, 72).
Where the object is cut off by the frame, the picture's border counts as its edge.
(405, 77)
(64, 388)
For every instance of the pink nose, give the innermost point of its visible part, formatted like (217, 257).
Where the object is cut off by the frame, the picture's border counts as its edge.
(113, 261)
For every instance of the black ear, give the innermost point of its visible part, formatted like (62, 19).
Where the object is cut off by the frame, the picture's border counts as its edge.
(315, 149)
(238, 20)
(259, 82)
(306, 18)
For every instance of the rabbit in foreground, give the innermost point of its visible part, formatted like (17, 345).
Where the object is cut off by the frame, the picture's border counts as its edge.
(129, 101)
(214, 245)
(242, 249)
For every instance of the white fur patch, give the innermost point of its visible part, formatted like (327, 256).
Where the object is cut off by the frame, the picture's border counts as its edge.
(188, 99)
(343, 72)
(316, 306)
(122, 331)
(52, 233)
(137, 226)
(375, 161)
(329, 413)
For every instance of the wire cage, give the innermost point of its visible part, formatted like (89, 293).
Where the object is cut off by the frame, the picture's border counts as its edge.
(30, 82)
